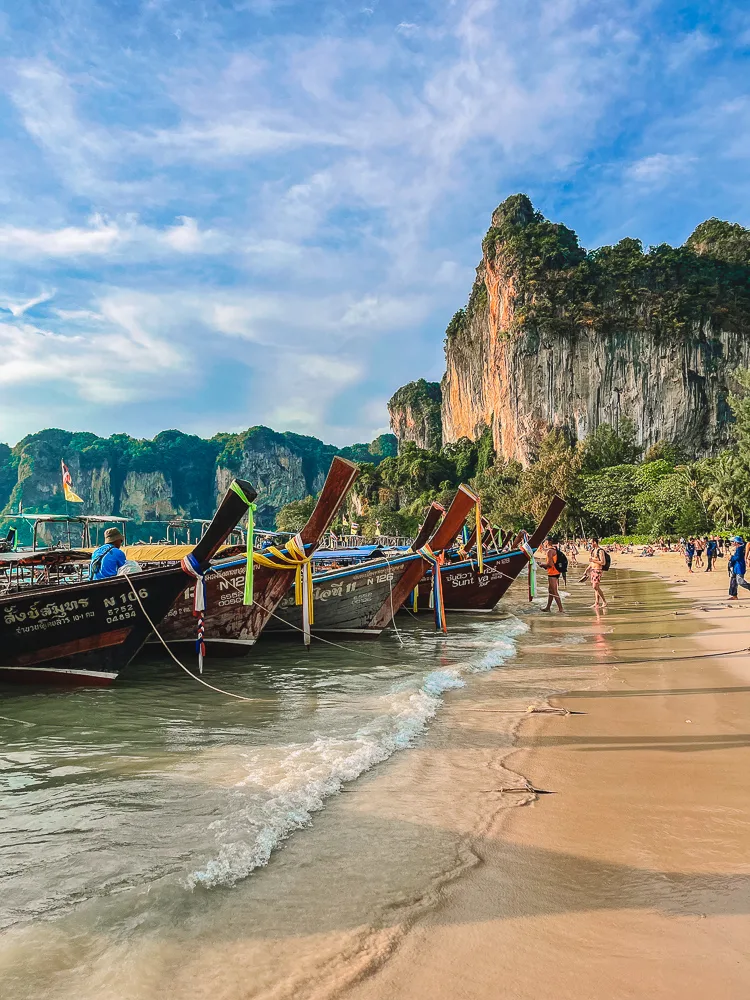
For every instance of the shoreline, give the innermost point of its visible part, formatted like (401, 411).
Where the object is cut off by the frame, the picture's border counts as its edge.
(633, 878)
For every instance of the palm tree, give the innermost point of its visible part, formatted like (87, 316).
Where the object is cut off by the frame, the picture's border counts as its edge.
(727, 488)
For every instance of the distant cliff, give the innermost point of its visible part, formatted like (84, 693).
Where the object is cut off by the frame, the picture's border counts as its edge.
(173, 475)
(555, 336)
(415, 412)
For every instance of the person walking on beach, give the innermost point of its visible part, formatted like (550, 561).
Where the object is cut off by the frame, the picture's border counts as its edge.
(710, 554)
(737, 568)
(597, 562)
(699, 547)
(555, 567)
(689, 553)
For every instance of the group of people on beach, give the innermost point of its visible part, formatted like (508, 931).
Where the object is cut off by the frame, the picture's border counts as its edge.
(694, 549)
(699, 552)
(556, 566)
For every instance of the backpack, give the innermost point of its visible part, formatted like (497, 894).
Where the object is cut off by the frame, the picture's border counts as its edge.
(561, 563)
(96, 563)
(607, 560)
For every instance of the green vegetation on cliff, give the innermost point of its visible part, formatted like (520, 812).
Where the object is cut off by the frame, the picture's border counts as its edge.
(665, 290)
(173, 474)
(415, 413)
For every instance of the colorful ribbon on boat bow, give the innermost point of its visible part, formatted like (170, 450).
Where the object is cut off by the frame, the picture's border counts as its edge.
(251, 508)
(191, 566)
(436, 561)
(297, 559)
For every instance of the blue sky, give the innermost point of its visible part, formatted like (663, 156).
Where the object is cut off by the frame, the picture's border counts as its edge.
(216, 213)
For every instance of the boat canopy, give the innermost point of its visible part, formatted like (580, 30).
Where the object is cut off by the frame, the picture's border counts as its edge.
(44, 557)
(170, 553)
(74, 518)
(362, 552)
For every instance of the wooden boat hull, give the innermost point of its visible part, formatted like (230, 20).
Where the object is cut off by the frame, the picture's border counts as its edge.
(86, 633)
(465, 589)
(82, 633)
(231, 627)
(345, 602)
(362, 600)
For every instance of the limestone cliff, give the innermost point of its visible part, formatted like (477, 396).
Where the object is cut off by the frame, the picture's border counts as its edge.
(415, 414)
(553, 336)
(172, 475)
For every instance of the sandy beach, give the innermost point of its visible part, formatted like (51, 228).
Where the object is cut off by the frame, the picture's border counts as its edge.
(633, 879)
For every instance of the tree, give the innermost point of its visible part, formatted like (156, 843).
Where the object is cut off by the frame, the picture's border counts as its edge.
(463, 455)
(610, 497)
(740, 406)
(555, 472)
(727, 489)
(293, 516)
(607, 447)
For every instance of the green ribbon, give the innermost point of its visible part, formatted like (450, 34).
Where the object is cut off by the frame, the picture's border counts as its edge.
(251, 508)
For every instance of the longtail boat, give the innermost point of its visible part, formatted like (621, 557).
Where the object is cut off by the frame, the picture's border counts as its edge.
(87, 632)
(231, 626)
(466, 589)
(361, 600)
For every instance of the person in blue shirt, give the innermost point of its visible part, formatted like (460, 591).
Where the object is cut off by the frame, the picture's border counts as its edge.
(737, 568)
(689, 553)
(108, 558)
(711, 550)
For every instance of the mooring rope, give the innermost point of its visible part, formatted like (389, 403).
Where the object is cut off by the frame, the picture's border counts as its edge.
(328, 642)
(393, 613)
(229, 694)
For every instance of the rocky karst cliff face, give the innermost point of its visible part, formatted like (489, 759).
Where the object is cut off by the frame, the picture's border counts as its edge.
(415, 412)
(553, 336)
(173, 475)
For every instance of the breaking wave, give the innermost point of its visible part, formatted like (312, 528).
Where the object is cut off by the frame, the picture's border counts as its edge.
(285, 786)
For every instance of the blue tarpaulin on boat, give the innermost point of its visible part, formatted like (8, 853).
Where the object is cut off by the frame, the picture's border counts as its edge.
(363, 552)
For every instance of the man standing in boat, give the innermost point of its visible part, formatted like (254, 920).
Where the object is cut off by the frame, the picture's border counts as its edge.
(108, 558)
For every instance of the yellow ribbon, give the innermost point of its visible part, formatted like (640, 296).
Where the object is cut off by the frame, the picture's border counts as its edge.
(294, 558)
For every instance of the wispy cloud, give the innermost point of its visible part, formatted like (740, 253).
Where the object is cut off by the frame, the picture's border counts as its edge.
(104, 237)
(17, 309)
(659, 168)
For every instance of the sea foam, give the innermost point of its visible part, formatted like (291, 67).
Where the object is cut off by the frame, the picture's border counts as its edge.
(287, 785)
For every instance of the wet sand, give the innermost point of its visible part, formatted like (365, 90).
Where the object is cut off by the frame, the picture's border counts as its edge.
(633, 879)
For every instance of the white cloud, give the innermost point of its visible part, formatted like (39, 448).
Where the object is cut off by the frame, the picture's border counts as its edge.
(114, 359)
(658, 169)
(311, 382)
(17, 309)
(291, 187)
(104, 237)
